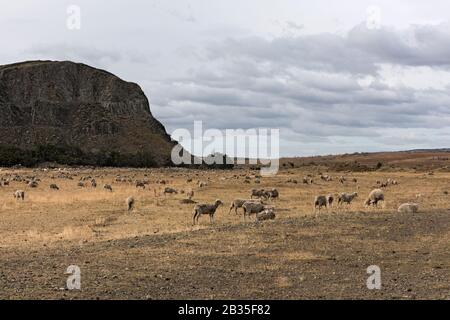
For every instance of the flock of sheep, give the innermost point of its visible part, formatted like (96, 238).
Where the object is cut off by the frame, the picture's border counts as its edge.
(256, 204)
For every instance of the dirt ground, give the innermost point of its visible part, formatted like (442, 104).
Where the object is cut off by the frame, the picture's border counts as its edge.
(155, 252)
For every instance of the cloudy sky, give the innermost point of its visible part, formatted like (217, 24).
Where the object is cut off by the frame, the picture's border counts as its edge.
(333, 76)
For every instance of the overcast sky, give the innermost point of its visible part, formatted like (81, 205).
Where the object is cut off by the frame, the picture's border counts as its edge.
(333, 76)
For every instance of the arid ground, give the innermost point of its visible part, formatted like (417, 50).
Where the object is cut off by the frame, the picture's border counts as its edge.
(154, 252)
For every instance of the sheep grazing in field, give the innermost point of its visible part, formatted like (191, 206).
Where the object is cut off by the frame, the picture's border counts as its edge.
(347, 198)
(140, 184)
(54, 187)
(80, 184)
(238, 203)
(252, 207)
(374, 197)
(342, 180)
(93, 183)
(170, 191)
(19, 195)
(267, 214)
(258, 193)
(307, 180)
(271, 194)
(202, 184)
(326, 177)
(330, 199)
(206, 209)
(408, 208)
(33, 184)
(190, 194)
(319, 202)
(130, 203)
(108, 187)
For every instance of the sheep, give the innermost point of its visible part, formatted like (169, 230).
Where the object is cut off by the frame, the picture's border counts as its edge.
(130, 203)
(330, 199)
(374, 197)
(108, 187)
(408, 208)
(271, 194)
(258, 193)
(80, 184)
(252, 207)
(202, 184)
(93, 183)
(237, 203)
(319, 202)
(190, 194)
(33, 184)
(54, 187)
(347, 198)
(19, 195)
(170, 190)
(209, 209)
(140, 184)
(267, 214)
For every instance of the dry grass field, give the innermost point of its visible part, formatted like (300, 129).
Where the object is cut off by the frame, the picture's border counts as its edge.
(154, 251)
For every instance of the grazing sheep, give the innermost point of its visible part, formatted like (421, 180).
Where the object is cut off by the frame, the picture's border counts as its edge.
(267, 214)
(19, 195)
(258, 193)
(80, 184)
(33, 184)
(108, 187)
(202, 184)
(252, 207)
(140, 184)
(408, 208)
(209, 209)
(54, 187)
(319, 202)
(330, 199)
(93, 183)
(130, 203)
(347, 198)
(272, 194)
(190, 194)
(170, 190)
(374, 197)
(238, 203)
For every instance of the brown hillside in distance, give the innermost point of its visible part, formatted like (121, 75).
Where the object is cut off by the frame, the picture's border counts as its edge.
(72, 104)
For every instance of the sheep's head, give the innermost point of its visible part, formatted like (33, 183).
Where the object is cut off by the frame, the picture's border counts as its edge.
(218, 203)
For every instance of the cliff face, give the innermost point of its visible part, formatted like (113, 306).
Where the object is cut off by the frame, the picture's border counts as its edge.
(72, 104)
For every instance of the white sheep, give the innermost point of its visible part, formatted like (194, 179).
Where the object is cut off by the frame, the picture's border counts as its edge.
(238, 203)
(374, 197)
(408, 208)
(19, 195)
(130, 203)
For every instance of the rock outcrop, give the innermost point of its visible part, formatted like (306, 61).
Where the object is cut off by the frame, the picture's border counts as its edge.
(70, 104)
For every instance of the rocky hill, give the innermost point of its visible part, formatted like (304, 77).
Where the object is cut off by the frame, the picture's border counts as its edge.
(70, 110)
